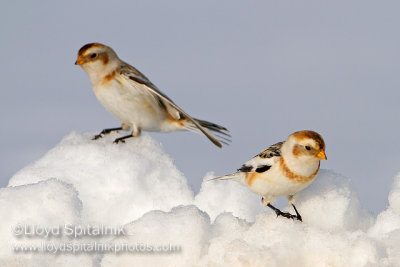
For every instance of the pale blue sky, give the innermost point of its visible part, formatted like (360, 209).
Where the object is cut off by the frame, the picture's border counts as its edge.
(264, 69)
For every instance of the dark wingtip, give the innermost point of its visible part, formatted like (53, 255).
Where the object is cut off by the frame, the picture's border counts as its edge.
(217, 143)
(218, 130)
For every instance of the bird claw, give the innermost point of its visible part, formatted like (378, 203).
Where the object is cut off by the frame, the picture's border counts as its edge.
(97, 136)
(298, 216)
(286, 215)
(106, 131)
(122, 139)
(278, 213)
(116, 141)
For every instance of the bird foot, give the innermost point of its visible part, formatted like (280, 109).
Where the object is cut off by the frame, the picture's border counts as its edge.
(298, 216)
(97, 136)
(121, 139)
(287, 215)
(106, 131)
(278, 213)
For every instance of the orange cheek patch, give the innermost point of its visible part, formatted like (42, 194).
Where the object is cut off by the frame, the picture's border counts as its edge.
(104, 58)
(251, 177)
(296, 151)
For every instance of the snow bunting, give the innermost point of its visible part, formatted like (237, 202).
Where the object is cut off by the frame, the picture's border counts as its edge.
(283, 169)
(134, 100)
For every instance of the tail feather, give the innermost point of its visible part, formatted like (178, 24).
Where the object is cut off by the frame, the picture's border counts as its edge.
(214, 127)
(232, 176)
(219, 131)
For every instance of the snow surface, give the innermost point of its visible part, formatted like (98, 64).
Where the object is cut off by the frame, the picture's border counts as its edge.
(136, 185)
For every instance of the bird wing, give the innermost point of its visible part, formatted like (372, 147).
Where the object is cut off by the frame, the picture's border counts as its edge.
(260, 163)
(175, 111)
(263, 161)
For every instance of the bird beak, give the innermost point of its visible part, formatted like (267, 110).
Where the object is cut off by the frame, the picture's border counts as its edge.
(79, 61)
(321, 154)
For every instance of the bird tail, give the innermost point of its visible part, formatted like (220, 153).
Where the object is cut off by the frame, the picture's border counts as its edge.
(221, 133)
(232, 176)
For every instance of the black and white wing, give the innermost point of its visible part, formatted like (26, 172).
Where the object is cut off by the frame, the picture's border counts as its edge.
(175, 111)
(263, 161)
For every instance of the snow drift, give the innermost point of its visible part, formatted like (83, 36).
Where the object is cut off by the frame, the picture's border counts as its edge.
(137, 186)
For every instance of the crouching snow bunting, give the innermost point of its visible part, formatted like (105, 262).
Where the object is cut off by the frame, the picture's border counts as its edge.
(283, 169)
(134, 100)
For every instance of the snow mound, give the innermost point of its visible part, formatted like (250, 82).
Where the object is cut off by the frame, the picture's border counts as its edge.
(116, 183)
(136, 186)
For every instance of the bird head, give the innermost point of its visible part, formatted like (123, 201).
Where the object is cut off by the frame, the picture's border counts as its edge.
(96, 58)
(307, 146)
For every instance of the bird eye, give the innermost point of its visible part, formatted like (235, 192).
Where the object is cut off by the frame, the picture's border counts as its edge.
(308, 148)
(93, 55)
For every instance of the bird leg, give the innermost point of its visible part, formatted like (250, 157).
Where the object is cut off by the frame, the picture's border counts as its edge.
(121, 139)
(298, 216)
(135, 133)
(105, 131)
(283, 214)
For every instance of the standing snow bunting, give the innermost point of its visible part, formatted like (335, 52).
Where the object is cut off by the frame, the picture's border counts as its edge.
(134, 100)
(283, 169)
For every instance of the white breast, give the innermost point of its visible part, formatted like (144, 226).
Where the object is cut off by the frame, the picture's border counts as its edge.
(131, 103)
(273, 183)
